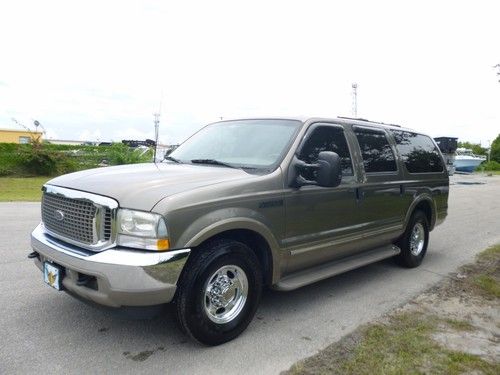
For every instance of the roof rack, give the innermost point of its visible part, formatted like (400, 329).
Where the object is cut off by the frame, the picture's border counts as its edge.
(354, 118)
(363, 119)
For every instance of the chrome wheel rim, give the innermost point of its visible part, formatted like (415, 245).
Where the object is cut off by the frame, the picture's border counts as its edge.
(226, 292)
(417, 239)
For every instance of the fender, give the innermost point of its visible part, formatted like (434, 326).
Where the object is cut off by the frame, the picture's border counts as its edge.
(421, 198)
(199, 231)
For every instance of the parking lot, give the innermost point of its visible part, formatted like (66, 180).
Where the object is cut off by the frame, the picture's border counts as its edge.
(44, 331)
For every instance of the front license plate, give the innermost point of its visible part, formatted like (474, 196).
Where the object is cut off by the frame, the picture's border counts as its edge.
(52, 275)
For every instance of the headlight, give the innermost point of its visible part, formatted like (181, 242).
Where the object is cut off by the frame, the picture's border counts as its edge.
(142, 230)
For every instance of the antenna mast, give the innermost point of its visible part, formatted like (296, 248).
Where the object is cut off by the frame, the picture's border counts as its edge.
(355, 100)
(157, 127)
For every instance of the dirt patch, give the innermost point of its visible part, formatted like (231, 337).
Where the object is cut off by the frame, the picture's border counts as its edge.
(452, 328)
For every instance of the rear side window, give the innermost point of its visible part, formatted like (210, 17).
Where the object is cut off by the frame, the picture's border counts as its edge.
(418, 152)
(376, 152)
(326, 138)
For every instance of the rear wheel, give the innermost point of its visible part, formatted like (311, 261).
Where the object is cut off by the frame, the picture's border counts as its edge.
(414, 242)
(219, 292)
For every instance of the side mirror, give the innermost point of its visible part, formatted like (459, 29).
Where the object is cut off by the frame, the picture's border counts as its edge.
(329, 171)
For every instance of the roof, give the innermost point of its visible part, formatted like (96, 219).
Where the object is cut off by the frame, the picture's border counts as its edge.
(20, 131)
(338, 119)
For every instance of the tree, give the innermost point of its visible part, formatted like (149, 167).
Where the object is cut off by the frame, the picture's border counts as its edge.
(495, 149)
(475, 147)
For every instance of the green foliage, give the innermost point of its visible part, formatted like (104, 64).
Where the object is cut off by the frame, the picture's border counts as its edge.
(36, 161)
(495, 149)
(489, 166)
(43, 159)
(475, 147)
(121, 154)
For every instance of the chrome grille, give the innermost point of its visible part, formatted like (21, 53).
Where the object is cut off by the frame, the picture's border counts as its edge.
(80, 218)
(107, 224)
(78, 221)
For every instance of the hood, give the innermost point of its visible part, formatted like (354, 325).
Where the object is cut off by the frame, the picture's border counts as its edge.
(141, 186)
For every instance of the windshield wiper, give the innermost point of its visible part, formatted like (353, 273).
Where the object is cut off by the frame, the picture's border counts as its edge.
(212, 162)
(172, 159)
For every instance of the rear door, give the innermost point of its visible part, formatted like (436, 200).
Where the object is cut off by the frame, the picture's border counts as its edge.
(380, 196)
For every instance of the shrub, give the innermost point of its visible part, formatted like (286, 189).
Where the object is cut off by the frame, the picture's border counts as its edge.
(495, 149)
(492, 165)
(122, 154)
(36, 161)
(42, 159)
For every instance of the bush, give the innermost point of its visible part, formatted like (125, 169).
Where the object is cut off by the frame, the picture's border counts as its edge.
(495, 149)
(122, 154)
(492, 165)
(35, 161)
(43, 159)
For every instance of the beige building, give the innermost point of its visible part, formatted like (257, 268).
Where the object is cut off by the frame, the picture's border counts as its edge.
(18, 136)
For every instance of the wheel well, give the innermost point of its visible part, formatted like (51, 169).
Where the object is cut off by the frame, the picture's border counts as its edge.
(426, 208)
(257, 243)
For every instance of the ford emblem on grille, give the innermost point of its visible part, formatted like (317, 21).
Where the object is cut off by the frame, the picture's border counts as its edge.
(58, 215)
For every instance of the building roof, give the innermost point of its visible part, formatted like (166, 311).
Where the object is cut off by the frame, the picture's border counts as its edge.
(19, 131)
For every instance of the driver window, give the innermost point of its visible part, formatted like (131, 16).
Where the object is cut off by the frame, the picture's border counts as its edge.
(326, 138)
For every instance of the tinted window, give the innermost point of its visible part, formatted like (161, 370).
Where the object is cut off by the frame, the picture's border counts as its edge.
(326, 138)
(376, 151)
(418, 152)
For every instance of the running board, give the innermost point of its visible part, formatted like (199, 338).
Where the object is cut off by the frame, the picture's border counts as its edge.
(324, 271)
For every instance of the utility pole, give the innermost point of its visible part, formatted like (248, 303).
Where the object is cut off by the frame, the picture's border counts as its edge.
(355, 100)
(157, 128)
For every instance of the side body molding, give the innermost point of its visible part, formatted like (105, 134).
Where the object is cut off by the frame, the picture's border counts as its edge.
(209, 226)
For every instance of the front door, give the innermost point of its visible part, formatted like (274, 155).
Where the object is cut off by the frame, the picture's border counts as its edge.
(318, 218)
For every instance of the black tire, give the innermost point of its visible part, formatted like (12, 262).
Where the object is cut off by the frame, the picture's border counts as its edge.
(191, 298)
(407, 257)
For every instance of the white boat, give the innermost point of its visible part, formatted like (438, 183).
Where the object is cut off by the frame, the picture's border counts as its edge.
(466, 160)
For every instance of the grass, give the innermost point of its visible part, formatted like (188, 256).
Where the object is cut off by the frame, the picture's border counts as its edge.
(488, 284)
(490, 253)
(459, 325)
(403, 343)
(487, 277)
(494, 173)
(21, 188)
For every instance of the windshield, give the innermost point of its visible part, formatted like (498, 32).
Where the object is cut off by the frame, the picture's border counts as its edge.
(241, 143)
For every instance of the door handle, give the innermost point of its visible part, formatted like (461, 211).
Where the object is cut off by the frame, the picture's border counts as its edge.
(360, 194)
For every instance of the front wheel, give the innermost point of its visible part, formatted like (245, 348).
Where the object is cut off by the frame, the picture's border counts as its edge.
(219, 292)
(414, 242)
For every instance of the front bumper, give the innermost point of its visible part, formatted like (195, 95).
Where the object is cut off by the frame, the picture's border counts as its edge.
(123, 277)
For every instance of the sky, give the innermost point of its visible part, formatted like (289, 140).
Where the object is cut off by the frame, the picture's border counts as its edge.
(98, 70)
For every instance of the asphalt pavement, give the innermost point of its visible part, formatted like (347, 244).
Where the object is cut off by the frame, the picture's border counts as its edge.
(45, 331)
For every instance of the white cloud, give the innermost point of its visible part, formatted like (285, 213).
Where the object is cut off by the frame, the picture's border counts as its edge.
(84, 67)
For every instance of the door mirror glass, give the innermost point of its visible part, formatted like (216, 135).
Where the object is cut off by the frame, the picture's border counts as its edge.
(329, 169)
